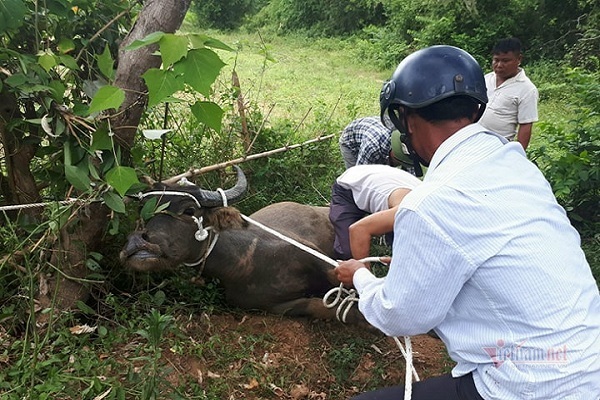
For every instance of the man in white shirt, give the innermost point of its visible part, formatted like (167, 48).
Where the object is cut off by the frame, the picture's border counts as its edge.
(362, 190)
(513, 98)
(506, 288)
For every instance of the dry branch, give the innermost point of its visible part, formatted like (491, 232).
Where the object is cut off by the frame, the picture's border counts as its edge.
(194, 172)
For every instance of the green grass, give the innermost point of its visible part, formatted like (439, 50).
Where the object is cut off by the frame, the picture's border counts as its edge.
(303, 79)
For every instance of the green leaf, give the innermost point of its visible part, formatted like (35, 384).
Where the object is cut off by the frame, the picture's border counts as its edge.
(148, 208)
(102, 331)
(85, 308)
(106, 63)
(66, 45)
(199, 40)
(69, 62)
(208, 113)
(114, 202)
(16, 80)
(113, 225)
(58, 90)
(107, 97)
(77, 175)
(154, 37)
(200, 68)
(161, 84)
(101, 140)
(173, 48)
(47, 61)
(12, 13)
(121, 179)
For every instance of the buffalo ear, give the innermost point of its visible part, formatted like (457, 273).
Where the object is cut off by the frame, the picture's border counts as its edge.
(223, 218)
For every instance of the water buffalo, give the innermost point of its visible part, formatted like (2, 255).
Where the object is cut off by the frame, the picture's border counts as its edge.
(257, 269)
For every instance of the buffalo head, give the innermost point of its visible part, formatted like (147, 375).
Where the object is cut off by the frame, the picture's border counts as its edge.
(183, 226)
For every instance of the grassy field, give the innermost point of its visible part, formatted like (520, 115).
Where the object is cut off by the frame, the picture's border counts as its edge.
(307, 80)
(302, 79)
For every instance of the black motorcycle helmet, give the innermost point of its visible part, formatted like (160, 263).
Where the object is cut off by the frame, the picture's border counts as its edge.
(426, 77)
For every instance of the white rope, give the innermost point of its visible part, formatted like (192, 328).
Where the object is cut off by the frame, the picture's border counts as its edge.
(168, 193)
(347, 301)
(34, 205)
(344, 298)
(223, 196)
(292, 241)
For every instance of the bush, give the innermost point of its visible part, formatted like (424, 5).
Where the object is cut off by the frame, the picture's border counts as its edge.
(570, 155)
(224, 14)
(320, 18)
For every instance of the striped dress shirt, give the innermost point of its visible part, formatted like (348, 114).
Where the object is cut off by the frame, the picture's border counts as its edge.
(486, 256)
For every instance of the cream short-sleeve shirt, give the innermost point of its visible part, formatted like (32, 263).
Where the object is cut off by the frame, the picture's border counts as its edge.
(512, 103)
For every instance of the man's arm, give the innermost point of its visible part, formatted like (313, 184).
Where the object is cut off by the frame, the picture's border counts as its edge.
(524, 134)
(363, 230)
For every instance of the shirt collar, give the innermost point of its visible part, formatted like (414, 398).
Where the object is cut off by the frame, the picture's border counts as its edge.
(519, 77)
(456, 139)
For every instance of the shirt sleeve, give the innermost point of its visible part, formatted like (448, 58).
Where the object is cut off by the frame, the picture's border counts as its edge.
(528, 110)
(427, 272)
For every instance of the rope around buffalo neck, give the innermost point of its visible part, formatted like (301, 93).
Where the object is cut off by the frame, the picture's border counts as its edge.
(346, 303)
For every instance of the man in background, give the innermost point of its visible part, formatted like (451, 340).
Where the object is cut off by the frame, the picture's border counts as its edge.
(513, 98)
(367, 141)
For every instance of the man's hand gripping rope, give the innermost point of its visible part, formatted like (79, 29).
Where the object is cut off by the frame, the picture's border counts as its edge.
(407, 353)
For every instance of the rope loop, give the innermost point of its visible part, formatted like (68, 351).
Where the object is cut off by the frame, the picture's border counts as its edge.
(344, 300)
(202, 233)
(223, 196)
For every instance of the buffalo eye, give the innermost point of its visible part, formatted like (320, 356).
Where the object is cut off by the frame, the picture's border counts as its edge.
(189, 211)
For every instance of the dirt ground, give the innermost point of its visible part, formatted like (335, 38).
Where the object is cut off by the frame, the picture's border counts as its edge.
(273, 357)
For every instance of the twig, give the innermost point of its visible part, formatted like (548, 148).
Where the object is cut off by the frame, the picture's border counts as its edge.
(105, 27)
(193, 172)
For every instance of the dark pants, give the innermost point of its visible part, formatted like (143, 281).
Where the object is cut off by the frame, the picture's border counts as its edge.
(439, 388)
(343, 212)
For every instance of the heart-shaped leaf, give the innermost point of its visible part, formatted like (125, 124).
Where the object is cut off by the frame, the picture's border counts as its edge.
(121, 179)
(107, 97)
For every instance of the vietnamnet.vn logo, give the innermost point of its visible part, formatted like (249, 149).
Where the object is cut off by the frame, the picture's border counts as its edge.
(521, 354)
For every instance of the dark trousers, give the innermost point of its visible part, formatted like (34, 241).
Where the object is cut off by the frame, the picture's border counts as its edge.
(343, 212)
(443, 387)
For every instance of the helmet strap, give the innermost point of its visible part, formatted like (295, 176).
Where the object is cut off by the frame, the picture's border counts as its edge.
(399, 120)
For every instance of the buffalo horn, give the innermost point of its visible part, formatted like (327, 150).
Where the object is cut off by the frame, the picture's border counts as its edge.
(212, 198)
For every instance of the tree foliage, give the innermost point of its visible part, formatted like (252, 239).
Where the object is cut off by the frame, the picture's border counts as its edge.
(320, 18)
(394, 28)
(570, 154)
(224, 14)
(71, 103)
(58, 85)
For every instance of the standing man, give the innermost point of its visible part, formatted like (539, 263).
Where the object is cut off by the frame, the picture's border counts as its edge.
(513, 98)
(507, 289)
(367, 141)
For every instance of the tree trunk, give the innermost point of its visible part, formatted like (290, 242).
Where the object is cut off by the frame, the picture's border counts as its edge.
(18, 187)
(156, 15)
(84, 233)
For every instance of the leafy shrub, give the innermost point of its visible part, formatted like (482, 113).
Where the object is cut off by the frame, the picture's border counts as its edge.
(570, 155)
(224, 14)
(320, 18)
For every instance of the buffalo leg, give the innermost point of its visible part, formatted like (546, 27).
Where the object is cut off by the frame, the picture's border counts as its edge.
(313, 307)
